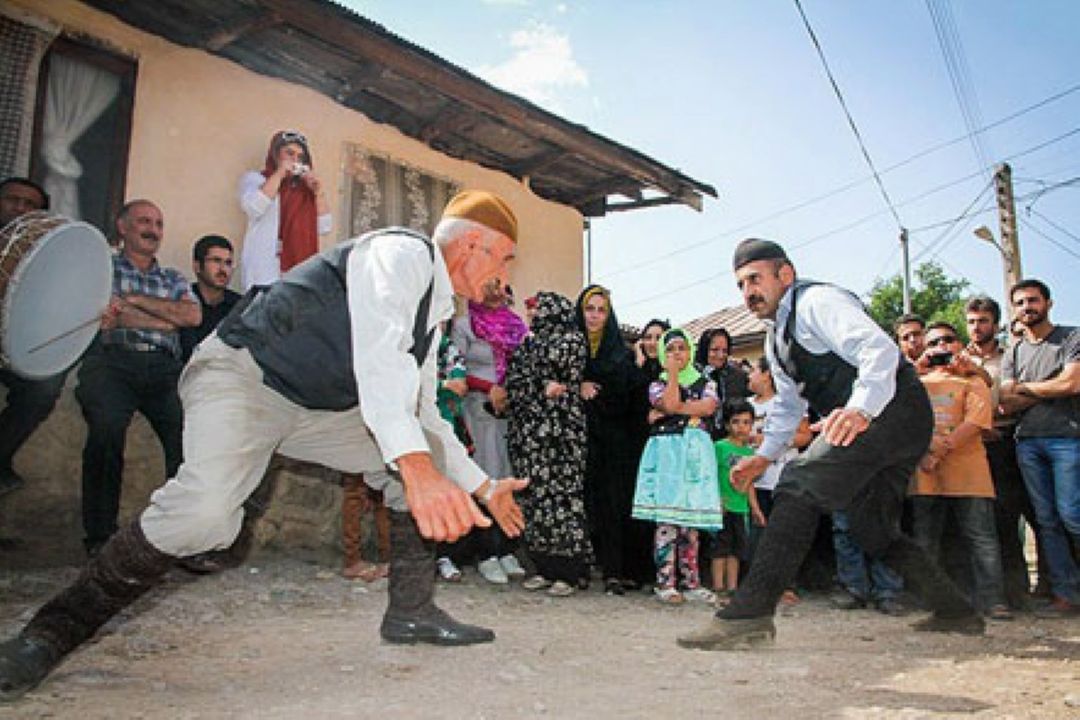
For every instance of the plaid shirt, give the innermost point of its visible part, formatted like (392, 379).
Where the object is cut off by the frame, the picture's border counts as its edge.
(159, 282)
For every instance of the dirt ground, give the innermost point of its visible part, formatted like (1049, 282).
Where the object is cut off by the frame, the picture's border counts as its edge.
(286, 638)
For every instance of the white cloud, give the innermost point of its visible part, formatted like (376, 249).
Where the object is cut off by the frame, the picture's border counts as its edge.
(542, 65)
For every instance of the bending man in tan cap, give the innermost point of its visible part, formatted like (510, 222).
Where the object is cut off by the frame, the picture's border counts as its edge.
(333, 364)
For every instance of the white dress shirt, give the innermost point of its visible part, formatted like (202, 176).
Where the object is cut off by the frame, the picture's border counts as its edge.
(260, 262)
(386, 276)
(828, 319)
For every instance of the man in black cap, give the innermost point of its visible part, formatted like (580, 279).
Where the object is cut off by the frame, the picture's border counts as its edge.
(876, 421)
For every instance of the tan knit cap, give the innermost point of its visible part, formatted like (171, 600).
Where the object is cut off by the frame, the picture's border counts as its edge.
(483, 207)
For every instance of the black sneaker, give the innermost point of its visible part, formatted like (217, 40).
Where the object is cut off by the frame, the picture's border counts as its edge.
(972, 624)
(843, 600)
(891, 607)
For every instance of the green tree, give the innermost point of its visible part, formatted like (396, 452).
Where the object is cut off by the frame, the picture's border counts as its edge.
(934, 296)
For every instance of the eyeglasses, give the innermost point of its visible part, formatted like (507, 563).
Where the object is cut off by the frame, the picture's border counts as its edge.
(293, 136)
(943, 340)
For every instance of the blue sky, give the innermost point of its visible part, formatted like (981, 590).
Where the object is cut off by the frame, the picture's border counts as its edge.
(733, 94)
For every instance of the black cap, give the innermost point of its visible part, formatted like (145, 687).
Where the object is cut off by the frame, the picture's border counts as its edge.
(753, 249)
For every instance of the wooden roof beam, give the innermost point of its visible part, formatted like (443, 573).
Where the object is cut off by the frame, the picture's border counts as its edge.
(228, 34)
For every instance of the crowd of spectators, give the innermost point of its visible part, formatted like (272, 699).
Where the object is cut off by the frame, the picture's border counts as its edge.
(627, 441)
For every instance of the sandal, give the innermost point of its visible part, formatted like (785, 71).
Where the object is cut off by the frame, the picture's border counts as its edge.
(366, 571)
(669, 596)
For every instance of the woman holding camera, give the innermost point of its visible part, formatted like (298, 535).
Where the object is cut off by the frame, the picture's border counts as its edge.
(287, 210)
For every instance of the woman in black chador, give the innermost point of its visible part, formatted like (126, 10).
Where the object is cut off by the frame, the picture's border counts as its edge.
(611, 468)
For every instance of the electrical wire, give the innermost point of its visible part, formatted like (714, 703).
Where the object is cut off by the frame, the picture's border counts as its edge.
(956, 65)
(843, 188)
(1054, 225)
(847, 114)
(1046, 236)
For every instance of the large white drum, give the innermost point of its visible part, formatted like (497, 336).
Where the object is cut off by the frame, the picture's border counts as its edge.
(55, 282)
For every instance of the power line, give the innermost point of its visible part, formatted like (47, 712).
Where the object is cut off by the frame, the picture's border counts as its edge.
(847, 114)
(1054, 225)
(1063, 248)
(952, 226)
(848, 186)
(952, 51)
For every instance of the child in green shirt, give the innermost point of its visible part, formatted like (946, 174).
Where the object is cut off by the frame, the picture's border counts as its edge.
(732, 543)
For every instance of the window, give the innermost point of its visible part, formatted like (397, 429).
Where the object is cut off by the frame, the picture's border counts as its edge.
(82, 130)
(380, 192)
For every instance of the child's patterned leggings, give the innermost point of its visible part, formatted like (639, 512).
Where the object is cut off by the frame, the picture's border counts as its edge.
(674, 543)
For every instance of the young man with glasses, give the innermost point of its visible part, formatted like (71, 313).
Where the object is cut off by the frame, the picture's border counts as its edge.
(953, 485)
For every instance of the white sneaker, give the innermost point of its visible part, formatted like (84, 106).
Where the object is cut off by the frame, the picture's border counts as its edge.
(700, 594)
(512, 567)
(536, 582)
(448, 571)
(493, 571)
(561, 589)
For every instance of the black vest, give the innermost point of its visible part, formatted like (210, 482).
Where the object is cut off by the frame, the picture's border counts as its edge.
(676, 424)
(299, 333)
(825, 380)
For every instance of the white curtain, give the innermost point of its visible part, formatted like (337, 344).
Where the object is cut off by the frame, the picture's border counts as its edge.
(77, 95)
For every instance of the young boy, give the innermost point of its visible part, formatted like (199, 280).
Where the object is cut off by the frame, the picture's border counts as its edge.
(733, 541)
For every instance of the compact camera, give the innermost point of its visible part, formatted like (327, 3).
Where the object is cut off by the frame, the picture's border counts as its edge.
(939, 359)
(299, 169)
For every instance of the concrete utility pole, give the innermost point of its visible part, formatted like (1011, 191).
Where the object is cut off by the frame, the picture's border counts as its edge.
(905, 277)
(1010, 241)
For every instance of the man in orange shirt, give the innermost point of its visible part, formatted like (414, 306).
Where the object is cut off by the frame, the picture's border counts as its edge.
(953, 482)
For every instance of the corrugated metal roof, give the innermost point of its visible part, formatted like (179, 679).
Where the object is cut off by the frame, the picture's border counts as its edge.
(361, 65)
(744, 327)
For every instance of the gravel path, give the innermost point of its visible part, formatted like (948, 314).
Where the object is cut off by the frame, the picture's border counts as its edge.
(284, 638)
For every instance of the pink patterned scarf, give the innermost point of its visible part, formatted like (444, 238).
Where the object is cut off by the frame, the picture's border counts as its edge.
(502, 329)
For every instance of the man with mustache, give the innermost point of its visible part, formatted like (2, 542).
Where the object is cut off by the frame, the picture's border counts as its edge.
(1041, 383)
(334, 364)
(134, 364)
(828, 355)
(212, 263)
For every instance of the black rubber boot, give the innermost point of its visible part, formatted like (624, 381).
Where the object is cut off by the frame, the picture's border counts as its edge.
(748, 619)
(127, 566)
(411, 615)
(783, 546)
(951, 612)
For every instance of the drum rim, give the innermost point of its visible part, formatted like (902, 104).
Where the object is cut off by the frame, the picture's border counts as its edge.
(24, 263)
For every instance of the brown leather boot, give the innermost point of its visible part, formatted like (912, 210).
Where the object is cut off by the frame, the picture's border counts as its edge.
(127, 566)
(354, 503)
(411, 615)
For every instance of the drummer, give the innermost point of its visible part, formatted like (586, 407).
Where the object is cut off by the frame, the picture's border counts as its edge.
(133, 365)
(29, 402)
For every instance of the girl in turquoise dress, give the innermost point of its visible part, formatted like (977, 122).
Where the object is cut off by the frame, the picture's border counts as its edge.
(677, 478)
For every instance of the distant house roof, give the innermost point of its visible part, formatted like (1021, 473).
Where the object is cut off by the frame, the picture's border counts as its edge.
(361, 65)
(744, 327)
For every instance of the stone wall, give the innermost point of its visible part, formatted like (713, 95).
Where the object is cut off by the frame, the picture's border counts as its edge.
(45, 515)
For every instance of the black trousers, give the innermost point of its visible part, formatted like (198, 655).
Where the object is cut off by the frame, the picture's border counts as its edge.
(113, 384)
(1011, 503)
(29, 403)
(867, 479)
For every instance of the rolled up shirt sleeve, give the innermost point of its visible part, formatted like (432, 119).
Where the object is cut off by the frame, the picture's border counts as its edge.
(386, 278)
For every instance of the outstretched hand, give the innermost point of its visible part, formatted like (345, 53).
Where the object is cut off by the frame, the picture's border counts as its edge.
(504, 508)
(747, 470)
(443, 511)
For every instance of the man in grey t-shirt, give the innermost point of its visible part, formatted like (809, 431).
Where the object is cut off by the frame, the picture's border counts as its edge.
(1041, 381)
